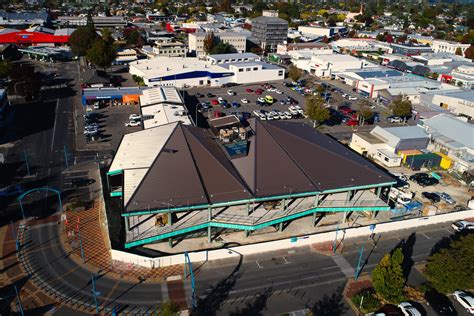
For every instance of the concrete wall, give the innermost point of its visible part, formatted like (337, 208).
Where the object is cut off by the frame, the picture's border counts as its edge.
(286, 243)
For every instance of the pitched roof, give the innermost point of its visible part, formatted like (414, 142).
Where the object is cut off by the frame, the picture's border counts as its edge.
(191, 167)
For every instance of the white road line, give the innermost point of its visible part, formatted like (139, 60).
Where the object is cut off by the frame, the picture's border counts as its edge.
(286, 261)
(258, 264)
(54, 126)
(332, 267)
(424, 235)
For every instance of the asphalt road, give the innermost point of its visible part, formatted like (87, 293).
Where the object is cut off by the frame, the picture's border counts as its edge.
(301, 278)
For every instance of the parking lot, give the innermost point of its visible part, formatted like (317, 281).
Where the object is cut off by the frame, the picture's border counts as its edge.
(111, 126)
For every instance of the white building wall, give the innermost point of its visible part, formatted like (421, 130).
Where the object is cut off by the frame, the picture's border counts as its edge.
(448, 47)
(262, 75)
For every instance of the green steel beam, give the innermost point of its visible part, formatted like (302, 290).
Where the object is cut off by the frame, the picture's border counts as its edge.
(230, 203)
(359, 187)
(116, 193)
(111, 173)
(254, 227)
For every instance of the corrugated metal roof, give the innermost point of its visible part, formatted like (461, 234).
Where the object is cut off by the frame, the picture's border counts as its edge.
(452, 128)
(193, 169)
(139, 149)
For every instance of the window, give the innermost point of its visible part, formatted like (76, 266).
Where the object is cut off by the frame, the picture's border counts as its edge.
(280, 73)
(247, 69)
(255, 68)
(241, 69)
(386, 159)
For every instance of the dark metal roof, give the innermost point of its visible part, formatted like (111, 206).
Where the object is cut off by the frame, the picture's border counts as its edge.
(283, 158)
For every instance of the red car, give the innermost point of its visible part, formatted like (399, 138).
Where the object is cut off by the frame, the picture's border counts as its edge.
(249, 90)
(217, 114)
(346, 111)
(258, 91)
(352, 123)
(214, 102)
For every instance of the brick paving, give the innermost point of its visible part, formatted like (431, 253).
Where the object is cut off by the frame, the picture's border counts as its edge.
(96, 249)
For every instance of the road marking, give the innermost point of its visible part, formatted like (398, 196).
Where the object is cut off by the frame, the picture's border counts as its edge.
(54, 126)
(291, 252)
(424, 235)
(258, 264)
(332, 267)
(286, 261)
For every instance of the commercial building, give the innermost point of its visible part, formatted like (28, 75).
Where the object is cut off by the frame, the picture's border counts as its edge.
(99, 21)
(458, 102)
(162, 105)
(327, 65)
(358, 45)
(410, 49)
(269, 31)
(124, 56)
(385, 144)
(47, 53)
(35, 36)
(22, 20)
(317, 48)
(440, 46)
(176, 180)
(318, 31)
(159, 17)
(112, 96)
(215, 71)
(452, 137)
(169, 49)
(462, 76)
(196, 41)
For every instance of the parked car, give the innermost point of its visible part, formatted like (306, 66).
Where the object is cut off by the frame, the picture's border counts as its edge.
(133, 123)
(417, 176)
(199, 95)
(447, 198)
(389, 310)
(298, 109)
(269, 99)
(278, 91)
(394, 119)
(463, 225)
(352, 98)
(230, 92)
(292, 110)
(352, 122)
(235, 105)
(220, 100)
(440, 303)
(244, 101)
(466, 300)
(261, 100)
(214, 102)
(408, 309)
(288, 115)
(209, 95)
(134, 117)
(425, 182)
(433, 197)
(249, 90)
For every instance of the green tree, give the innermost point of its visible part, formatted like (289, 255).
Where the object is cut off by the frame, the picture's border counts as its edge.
(294, 73)
(102, 53)
(169, 308)
(387, 277)
(209, 43)
(469, 52)
(458, 51)
(451, 268)
(5, 68)
(315, 110)
(82, 39)
(365, 112)
(223, 48)
(133, 37)
(401, 106)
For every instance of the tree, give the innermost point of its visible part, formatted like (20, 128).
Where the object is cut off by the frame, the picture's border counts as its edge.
(82, 39)
(169, 308)
(102, 53)
(401, 106)
(133, 37)
(294, 73)
(315, 110)
(365, 112)
(209, 43)
(387, 277)
(458, 51)
(469, 52)
(5, 68)
(25, 81)
(451, 268)
(223, 48)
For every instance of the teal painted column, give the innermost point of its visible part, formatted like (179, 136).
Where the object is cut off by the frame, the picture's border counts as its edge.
(316, 203)
(170, 222)
(379, 191)
(127, 224)
(280, 228)
(209, 218)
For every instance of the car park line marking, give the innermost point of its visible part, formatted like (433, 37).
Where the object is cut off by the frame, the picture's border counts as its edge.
(331, 267)
(286, 261)
(258, 264)
(424, 235)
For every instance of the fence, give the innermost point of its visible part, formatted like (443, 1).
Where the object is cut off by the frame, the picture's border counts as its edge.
(209, 255)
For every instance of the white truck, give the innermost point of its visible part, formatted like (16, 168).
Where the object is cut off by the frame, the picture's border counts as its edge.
(400, 197)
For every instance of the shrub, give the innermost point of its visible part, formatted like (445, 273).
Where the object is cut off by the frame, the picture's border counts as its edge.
(370, 302)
